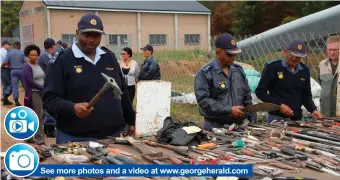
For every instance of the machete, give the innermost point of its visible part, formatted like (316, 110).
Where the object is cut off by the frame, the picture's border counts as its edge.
(264, 107)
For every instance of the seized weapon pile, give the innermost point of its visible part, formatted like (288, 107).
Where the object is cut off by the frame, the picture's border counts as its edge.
(271, 148)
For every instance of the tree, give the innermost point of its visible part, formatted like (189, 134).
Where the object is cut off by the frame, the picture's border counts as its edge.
(288, 19)
(9, 16)
(246, 16)
(222, 19)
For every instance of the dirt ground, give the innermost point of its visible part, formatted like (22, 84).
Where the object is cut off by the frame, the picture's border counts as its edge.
(6, 140)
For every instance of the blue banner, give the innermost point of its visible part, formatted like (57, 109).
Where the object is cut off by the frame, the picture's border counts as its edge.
(52, 170)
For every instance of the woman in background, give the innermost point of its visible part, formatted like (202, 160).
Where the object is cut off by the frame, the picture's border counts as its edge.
(33, 81)
(130, 70)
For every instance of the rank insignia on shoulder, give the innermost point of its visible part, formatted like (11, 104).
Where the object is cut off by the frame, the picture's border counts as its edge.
(280, 75)
(49, 56)
(222, 85)
(54, 58)
(78, 69)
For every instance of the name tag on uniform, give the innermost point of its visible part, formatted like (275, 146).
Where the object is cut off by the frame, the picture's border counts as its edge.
(78, 69)
(109, 68)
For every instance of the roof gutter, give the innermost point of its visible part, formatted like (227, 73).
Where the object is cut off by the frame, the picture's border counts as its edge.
(127, 10)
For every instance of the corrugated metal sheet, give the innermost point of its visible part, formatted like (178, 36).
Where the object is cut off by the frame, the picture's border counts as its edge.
(178, 6)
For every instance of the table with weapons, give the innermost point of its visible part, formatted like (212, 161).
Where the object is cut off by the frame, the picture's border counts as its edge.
(279, 150)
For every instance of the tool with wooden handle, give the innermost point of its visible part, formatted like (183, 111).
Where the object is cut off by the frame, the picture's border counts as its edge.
(206, 146)
(109, 83)
(181, 150)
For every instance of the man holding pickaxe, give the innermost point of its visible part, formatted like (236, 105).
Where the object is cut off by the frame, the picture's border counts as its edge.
(84, 89)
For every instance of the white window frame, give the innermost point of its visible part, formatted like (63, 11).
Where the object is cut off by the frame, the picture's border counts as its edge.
(192, 44)
(70, 38)
(118, 34)
(166, 40)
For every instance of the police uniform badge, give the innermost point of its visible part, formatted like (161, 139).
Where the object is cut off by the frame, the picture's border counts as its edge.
(93, 22)
(49, 56)
(78, 69)
(299, 47)
(280, 75)
(222, 85)
(233, 42)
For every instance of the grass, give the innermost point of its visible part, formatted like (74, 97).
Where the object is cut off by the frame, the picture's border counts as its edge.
(184, 81)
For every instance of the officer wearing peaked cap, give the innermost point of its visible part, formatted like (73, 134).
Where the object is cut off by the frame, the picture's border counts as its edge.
(286, 82)
(221, 87)
(74, 78)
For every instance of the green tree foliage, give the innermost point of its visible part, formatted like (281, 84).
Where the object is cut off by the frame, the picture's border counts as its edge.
(288, 19)
(222, 18)
(9, 16)
(244, 18)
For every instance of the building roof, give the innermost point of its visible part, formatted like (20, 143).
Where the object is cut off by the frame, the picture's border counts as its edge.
(191, 7)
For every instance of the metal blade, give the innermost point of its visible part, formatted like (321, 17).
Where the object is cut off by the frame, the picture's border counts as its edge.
(265, 107)
(330, 171)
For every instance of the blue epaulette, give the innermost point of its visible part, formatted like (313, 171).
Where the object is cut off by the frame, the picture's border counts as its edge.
(55, 56)
(237, 65)
(273, 61)
(207, 67)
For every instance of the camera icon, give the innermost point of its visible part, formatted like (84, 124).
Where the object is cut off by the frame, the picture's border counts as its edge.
(21, 161)
(20, 126)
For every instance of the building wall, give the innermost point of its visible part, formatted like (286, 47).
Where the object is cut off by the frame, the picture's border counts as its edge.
(192, 24)
(153, 23)
(64, 22)
(33, 13)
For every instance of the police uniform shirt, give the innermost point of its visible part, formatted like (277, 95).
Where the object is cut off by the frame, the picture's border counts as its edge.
(216, 93)
(44, 60)
(279, 85)
(15, 58)
(75, 78)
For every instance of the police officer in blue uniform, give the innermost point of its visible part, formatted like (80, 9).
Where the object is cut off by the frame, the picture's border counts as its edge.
(5, 74)
(221, 87)
(15, 59)
(286, 82)
(43, 61)
(74, 78)
(46, 55)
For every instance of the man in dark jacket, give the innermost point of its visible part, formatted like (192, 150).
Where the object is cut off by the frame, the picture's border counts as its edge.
(74, 77)
(221, 87)
(149, 70)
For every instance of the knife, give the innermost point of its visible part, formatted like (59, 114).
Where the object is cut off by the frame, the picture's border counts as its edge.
(264, 107)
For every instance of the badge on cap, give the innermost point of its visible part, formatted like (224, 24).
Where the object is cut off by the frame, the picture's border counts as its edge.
(280, 75)
(222, 85)
(93, 22)
(79, 69)
(233, 42)
(299, 47)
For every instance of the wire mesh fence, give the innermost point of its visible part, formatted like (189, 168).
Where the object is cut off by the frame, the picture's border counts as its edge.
(180, 59)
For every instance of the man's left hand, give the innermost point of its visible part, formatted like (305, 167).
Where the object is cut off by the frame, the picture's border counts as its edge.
(317, 115)
(132, 130)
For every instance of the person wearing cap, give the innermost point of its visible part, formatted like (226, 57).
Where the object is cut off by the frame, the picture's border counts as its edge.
(59, 46)
(46, 55)
(65, 46)
(149, 69)
(74, 77)
(328, 77)
(286, 82)
(221, 87)
(43, 61)
(5, 75)
(15, 59)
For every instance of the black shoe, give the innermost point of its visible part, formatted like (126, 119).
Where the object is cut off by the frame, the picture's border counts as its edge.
(17, 102)
(7, 102)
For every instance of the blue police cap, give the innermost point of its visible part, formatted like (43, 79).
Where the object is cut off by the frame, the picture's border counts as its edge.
(228, 43)
(90, 23)
(297, 48)
(148, 47)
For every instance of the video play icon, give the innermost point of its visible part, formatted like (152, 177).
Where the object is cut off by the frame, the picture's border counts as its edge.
(21, 123)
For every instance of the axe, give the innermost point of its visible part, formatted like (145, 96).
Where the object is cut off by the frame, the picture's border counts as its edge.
(109, 83)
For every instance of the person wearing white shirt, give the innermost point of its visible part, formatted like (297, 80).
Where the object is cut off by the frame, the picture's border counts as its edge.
(5, 74)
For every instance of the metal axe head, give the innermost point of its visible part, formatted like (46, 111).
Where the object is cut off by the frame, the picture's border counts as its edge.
(110, 82)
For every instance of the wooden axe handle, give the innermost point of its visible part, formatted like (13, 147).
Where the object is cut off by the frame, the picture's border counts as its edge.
(97, 97)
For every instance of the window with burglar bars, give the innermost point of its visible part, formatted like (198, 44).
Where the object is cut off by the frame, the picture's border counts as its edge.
(158, 39)
(68, 38)
(114, 39)
(192, 39)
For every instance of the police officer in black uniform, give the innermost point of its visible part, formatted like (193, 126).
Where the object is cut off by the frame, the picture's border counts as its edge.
(74, 78)
(221, 87)
(286, 82)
